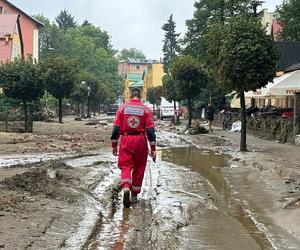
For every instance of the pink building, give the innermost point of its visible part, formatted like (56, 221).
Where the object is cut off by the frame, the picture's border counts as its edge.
(11, 44)
(29, 28)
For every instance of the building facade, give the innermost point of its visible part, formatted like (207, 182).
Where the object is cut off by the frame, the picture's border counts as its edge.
(133, 66)
(151, 77)
(29, 29)
(11, 45)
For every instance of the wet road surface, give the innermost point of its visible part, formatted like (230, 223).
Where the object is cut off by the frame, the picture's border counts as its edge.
(191, 199)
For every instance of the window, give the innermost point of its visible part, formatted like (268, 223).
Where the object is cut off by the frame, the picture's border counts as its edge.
(137, 66)
(1, 10)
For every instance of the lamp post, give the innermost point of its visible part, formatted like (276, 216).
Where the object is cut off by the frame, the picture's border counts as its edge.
(83, 105)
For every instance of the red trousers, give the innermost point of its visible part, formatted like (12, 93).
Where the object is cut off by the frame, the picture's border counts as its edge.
(132, 161)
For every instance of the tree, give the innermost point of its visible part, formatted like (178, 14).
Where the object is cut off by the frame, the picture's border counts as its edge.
(169, 92)
(190, 78)
(65, 20)
(154, 95)
(208, 12)
(51, 38)
(87, 44)
(60, 74)
(151, 96)
(244, 58)
(170, 47)
(21, 79)
(132, 53)
(289, 18)
(254, 5)
(79, 95)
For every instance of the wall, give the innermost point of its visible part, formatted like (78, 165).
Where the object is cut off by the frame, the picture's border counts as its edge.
(28, 28)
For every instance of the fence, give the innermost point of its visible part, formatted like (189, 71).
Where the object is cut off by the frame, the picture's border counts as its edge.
(12, 118)
(270, 128)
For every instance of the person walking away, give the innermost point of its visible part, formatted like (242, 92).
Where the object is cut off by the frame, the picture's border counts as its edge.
(210, 115)
(134, 124)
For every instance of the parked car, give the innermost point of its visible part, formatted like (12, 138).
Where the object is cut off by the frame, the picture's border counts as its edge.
(287, 113)
(167, 108)
(112, 109)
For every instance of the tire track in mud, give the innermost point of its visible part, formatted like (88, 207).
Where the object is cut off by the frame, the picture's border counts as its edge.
(97, 195)
(232, 207)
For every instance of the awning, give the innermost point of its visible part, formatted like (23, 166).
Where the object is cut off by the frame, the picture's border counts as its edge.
(266, 92)
(287, 86)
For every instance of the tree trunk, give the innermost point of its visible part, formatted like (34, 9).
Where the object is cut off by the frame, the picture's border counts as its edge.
(88, 108)
(176, 116)
(243, 145)
(60, 110)
(78, 109)
(94, 107)
(190, 112)
(25, 116)
(30, 120)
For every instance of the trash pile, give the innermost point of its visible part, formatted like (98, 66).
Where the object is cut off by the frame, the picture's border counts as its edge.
(236, 126)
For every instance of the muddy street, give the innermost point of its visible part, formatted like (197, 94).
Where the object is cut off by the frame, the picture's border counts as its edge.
(193, 197)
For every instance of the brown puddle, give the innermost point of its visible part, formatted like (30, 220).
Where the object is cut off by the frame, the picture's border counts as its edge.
(208, 164)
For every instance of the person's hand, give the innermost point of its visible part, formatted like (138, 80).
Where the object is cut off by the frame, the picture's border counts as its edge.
(115, 151)
(153, 155)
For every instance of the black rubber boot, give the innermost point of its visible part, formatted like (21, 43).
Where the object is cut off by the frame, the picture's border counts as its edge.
(126, 197)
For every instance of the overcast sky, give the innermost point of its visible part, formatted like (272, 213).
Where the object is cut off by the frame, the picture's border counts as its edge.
(130, 23)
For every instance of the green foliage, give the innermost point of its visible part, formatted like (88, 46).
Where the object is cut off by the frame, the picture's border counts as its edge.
(190, 78)
(89, 46)
(21, 80)
(80, 93)
(65, 20)
(132, 53)
(244, 57)
(208, 12)
(60, 75)
(154, 95)
(288, 16)
(169, 88)
(151, 95)
(170, 47)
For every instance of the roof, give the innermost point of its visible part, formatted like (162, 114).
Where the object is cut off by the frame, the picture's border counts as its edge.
(24, 13)
(134, 77)
(8, 24)
(290, 54)
(138, 61)
(293, 67)
(137, 84)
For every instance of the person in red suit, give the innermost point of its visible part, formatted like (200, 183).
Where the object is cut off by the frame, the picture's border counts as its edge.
(134, 124)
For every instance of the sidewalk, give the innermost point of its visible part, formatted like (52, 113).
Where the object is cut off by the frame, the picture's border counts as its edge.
(281, 150)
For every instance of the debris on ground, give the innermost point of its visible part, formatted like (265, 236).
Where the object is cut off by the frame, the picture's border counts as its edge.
(236, 126)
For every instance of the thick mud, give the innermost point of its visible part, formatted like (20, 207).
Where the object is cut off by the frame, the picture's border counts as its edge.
(192, 198)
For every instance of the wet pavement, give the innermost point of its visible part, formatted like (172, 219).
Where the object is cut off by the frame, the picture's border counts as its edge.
(192, 198)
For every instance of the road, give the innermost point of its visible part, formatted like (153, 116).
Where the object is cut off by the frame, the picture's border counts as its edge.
(201, 194)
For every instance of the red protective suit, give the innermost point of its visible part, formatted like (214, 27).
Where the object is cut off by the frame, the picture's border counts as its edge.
(133, 118)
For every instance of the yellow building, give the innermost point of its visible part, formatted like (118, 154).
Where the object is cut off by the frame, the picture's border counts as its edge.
(151, 78)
